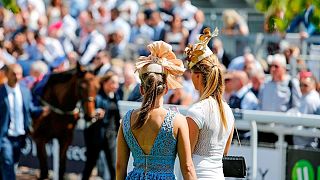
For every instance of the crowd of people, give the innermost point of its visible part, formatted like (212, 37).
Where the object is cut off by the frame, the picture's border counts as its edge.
(108, 36)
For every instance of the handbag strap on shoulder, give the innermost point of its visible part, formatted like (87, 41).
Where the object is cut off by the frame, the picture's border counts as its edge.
(237, 134)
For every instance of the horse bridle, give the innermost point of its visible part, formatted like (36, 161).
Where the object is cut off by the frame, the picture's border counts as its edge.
(60, 111)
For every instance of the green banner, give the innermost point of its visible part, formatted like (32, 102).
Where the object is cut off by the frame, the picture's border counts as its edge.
(303, 164)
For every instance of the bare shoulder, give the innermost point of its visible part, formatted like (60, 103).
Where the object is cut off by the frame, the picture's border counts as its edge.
(180, 120)
(179, 124)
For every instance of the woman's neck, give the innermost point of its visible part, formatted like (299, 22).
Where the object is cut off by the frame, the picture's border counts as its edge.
(158, 103)
(201, 91)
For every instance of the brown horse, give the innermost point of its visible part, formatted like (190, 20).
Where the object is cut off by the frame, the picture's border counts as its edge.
(64, 93)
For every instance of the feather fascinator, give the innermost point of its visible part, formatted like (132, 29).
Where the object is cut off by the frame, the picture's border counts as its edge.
(161, 60)
(197, 52)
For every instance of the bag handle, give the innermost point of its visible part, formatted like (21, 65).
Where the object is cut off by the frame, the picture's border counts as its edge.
(235, 127)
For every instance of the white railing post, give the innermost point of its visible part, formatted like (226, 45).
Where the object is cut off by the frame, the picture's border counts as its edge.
(281, 144)
(55, 158)
(254, 148)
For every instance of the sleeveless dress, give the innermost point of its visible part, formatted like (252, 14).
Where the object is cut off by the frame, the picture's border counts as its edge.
(159, 164)
(208, 152)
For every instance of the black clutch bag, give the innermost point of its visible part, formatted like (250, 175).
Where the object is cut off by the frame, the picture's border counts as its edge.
(234, 166)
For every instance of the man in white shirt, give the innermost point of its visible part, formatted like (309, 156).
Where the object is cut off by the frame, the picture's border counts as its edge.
(116, 24)
(91, 44)
(186, 11)
(50, 48)
(243, 97)
(102, 63)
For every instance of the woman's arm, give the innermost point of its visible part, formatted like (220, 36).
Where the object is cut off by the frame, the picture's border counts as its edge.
(184, 150)
(123, 154)
(193, 133)
(226, 149)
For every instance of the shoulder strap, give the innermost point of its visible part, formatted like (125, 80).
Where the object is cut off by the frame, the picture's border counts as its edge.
(291, 94)
(235, 127)
(125, 121)
(244, 94)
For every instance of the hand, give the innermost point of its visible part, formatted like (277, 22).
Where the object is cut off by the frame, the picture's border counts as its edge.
(100, 113)
(304, 35)
(41, 48)
(45, 110)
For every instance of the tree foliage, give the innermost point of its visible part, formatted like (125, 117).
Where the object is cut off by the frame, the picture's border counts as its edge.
(11, 5)
(289, 9)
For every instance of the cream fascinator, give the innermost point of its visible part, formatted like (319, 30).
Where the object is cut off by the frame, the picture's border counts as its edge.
(161, 60)
(200, 50)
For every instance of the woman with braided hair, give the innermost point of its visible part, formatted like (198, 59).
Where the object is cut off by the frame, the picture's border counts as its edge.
(153, 134)
(210, 120)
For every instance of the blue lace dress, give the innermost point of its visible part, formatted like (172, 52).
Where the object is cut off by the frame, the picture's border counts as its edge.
(159, 164)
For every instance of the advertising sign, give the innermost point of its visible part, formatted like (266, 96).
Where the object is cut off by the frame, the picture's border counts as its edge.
(75, 154)
(303, 164)
(269, 161)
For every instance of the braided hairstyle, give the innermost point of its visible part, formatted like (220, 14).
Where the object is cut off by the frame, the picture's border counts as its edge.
(153, 85)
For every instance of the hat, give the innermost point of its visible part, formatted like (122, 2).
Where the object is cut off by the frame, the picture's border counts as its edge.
(57, 61)
(161, 60)
(200, 50)
(305, 74)
(55, 26)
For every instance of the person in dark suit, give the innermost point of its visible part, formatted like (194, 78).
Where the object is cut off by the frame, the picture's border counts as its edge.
(200, 26)
(101, 134)
(158, 26)
(15, 118)
(218, 49)
(129, 90)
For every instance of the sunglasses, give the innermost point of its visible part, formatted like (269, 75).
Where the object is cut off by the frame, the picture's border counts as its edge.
(274, 65)
(304, 85)
(227, 80)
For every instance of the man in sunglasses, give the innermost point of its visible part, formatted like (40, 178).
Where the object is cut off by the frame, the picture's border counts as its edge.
(310, 104)
(282, 92)
(310, 100)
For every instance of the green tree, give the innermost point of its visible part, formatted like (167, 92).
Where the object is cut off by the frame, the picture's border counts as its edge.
(11, 5)
(290, 9)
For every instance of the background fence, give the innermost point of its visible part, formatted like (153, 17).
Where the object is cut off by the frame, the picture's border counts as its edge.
(277, 161)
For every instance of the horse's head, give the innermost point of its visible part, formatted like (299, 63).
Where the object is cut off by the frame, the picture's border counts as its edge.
(88, 87)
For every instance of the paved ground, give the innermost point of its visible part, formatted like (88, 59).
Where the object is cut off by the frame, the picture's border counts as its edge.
(25, 173)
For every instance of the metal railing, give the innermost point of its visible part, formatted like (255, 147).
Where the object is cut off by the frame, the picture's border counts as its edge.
(278, 123)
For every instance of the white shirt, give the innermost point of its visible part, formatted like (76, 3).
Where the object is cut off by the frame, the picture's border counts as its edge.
(69, 27)
(238, 64)
(97, 43)
(309, 103)
(53, 49)
(208, 152)
(249, 101)
(16, 126)
(195, 34)
(119, 24)
(103, 69)
(186, 11)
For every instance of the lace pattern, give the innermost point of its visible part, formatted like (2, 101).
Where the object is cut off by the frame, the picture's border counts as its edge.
(159, 164)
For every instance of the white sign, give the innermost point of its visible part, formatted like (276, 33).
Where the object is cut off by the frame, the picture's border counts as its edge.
(269, 161)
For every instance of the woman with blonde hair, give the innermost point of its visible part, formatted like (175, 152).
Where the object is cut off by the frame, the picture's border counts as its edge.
(153, 134)
(210, 120)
